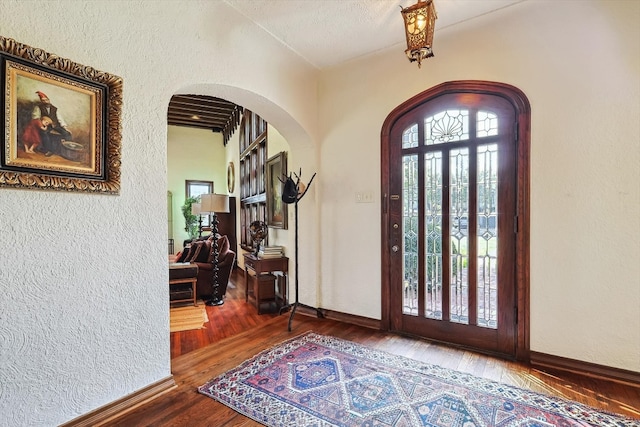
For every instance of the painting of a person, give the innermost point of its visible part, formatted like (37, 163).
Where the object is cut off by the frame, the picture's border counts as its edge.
(33, 132)
(56, 132)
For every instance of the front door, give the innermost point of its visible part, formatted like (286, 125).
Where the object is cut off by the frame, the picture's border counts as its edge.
(452, 225)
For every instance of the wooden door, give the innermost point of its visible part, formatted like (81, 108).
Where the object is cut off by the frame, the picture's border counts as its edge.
(451, 221)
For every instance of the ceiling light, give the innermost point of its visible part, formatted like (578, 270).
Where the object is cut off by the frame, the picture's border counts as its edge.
(419, 23)
(194, 117)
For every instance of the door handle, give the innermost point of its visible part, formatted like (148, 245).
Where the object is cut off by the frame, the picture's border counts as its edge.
(395, 248)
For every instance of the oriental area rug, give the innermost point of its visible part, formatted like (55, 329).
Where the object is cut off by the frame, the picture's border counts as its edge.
(187, 318)
(316, 380)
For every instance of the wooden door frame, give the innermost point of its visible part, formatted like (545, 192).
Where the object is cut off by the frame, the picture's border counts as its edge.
(522, 111)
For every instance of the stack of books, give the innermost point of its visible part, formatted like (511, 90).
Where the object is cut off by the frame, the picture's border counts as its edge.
(271, 252)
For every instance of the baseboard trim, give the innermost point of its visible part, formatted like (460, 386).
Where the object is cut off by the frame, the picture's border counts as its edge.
(121, 406)
(545, 362)
(366, 322)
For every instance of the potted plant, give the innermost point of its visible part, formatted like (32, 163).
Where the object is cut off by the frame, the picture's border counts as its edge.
(190, 220)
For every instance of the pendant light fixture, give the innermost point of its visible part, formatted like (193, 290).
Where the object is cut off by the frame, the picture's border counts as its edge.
(419, 24)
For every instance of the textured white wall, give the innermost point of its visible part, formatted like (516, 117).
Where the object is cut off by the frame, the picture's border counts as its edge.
(578, 63)
(84, 307)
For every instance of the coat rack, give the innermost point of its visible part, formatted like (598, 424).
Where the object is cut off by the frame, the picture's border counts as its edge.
(292, 193)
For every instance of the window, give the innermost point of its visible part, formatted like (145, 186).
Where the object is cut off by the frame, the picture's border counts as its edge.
(196, 189)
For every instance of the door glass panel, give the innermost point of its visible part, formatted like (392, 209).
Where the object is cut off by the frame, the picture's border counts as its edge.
(433, 234)
(410, 137)
(459, 234)
(486, 124)
(410, 229)
(443, 127)
(446, 126)
(487, 235)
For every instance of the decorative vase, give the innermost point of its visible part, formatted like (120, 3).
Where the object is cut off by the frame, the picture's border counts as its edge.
(258, 231)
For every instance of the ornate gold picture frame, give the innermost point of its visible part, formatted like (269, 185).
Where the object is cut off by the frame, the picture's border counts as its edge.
(61, 124)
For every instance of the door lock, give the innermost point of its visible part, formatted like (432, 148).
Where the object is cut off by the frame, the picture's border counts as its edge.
(395, 248)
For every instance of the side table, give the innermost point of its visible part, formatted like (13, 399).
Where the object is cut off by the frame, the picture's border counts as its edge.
(262, 267)
(181, 273)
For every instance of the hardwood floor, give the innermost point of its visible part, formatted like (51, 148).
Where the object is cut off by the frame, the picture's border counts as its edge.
(231, 318)
(237, 333)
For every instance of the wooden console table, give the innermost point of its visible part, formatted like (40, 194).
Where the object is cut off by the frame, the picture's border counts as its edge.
(265, 266)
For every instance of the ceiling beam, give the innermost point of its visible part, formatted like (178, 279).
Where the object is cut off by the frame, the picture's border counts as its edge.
(215, 114)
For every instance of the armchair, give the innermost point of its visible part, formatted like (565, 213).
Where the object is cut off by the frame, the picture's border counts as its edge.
(226, 261)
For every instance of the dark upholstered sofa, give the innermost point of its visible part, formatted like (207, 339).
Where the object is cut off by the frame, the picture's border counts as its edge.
(200, 252)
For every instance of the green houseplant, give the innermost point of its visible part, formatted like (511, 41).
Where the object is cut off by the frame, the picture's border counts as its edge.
(190, 220)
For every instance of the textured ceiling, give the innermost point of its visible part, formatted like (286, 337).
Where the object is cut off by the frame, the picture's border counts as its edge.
(330, 32)
(325, 33)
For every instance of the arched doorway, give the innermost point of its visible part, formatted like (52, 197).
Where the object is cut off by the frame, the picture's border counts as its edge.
(455, 185)
(278, 141)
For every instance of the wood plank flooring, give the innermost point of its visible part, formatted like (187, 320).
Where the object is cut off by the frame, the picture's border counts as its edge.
(236, 332)
(231, 318)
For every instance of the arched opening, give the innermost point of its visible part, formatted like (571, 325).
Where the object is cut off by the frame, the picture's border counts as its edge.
(278, 141)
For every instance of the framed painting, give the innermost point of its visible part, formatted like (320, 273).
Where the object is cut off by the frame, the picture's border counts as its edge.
(61, 124)
(276, 209)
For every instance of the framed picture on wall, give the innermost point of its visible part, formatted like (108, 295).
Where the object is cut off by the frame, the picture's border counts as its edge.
(195, 189)
(276, 173)
(61, 123)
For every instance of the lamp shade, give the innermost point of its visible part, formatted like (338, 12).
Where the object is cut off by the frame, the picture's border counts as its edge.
(214, 203)
(196, 208)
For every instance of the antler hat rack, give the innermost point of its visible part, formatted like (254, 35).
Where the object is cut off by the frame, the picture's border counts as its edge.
(292, 193)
